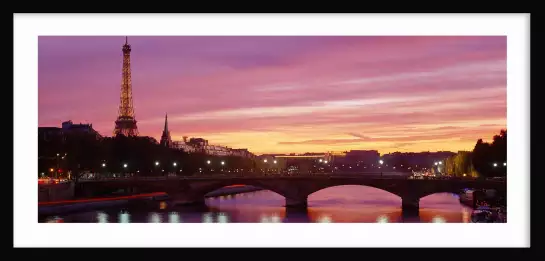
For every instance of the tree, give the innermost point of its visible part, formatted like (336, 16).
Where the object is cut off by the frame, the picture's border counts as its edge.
(485, 155)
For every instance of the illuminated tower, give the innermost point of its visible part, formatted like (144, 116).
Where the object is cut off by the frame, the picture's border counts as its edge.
(165, 137)
(126, 123)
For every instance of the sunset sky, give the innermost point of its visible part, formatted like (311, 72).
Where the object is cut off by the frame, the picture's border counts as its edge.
(285, 94)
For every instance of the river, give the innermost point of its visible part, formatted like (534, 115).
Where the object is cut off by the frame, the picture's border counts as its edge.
(348, 204)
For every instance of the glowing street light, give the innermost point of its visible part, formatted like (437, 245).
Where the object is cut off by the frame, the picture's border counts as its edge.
(505, 164)
(265, 160)
(436, 163)
(207, 162)
(223, 163)
(381, 162)
(157, 163)
(325, 162)
(274, 162)
(495, 164)
(440, 163)
(103, 165)
(125, 165)
(174, 164)
(320, 160)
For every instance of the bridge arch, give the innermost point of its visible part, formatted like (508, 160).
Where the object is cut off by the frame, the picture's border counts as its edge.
(392, 190)
(457, 188)
(360, 195)
(448, 190)
(210, 188)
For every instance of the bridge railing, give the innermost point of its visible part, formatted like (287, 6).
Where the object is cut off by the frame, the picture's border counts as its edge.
(384, 175)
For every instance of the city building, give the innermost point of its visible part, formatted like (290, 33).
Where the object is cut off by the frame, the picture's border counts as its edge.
(67, 128)
(242, 153)
(182, 145)
(200, 145)
(50, 133)
(366, 157)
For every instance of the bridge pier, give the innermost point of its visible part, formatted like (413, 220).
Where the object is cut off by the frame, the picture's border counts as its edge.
(297, 203)
(410, 206)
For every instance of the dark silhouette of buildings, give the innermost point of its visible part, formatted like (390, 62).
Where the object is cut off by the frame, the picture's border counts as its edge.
(67, 128)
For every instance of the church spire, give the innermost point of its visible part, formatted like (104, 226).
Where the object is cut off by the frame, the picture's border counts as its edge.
(165, 137)
(166, 123)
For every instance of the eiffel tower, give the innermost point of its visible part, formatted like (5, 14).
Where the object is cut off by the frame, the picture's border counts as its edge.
(126, 123)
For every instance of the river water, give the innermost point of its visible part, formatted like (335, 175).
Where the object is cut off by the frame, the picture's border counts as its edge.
(349, 204)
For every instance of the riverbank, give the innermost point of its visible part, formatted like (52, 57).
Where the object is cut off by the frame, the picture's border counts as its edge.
(66, 206)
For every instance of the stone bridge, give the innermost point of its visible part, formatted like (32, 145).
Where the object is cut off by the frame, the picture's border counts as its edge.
(294, 189)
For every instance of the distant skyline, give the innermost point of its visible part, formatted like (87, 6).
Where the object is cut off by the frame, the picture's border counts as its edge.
(285, 94)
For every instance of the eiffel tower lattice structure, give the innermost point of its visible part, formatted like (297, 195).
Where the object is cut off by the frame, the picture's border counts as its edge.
(126, 122)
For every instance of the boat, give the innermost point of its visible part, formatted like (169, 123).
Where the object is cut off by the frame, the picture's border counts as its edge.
(466, 197)
(487, 214)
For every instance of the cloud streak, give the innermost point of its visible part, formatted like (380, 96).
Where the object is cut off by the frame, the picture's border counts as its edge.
(285, 94)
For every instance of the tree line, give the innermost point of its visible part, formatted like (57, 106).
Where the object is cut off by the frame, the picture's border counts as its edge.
(486, 159)
(77, 153)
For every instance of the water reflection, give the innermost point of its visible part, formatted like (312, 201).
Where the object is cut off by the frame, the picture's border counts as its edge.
(102, 217)
(336, 205)
(466, 215)
(383, 219)
(438, 219)
(270, 218)
(223, 218)
(173, 217)
(154, 218)
(124, 217)
(207, 218)
(325, 219)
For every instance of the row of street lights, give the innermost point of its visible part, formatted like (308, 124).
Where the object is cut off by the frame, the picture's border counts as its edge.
(210, 162)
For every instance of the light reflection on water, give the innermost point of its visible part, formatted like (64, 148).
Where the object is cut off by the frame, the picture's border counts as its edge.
(346, 204)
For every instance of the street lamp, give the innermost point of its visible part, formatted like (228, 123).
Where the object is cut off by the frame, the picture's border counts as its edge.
(103, 165)
(208, 162)
(125, 165)
(495, 164)
(174, 164)
(440, 163)
(265, 160)
(505, 164)
(325, 162)
(223, 163)
(381, 162)
(320, 160)
(157, 163)
(275, 162)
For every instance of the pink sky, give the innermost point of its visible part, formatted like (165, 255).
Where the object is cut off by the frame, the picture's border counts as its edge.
(285, 94)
